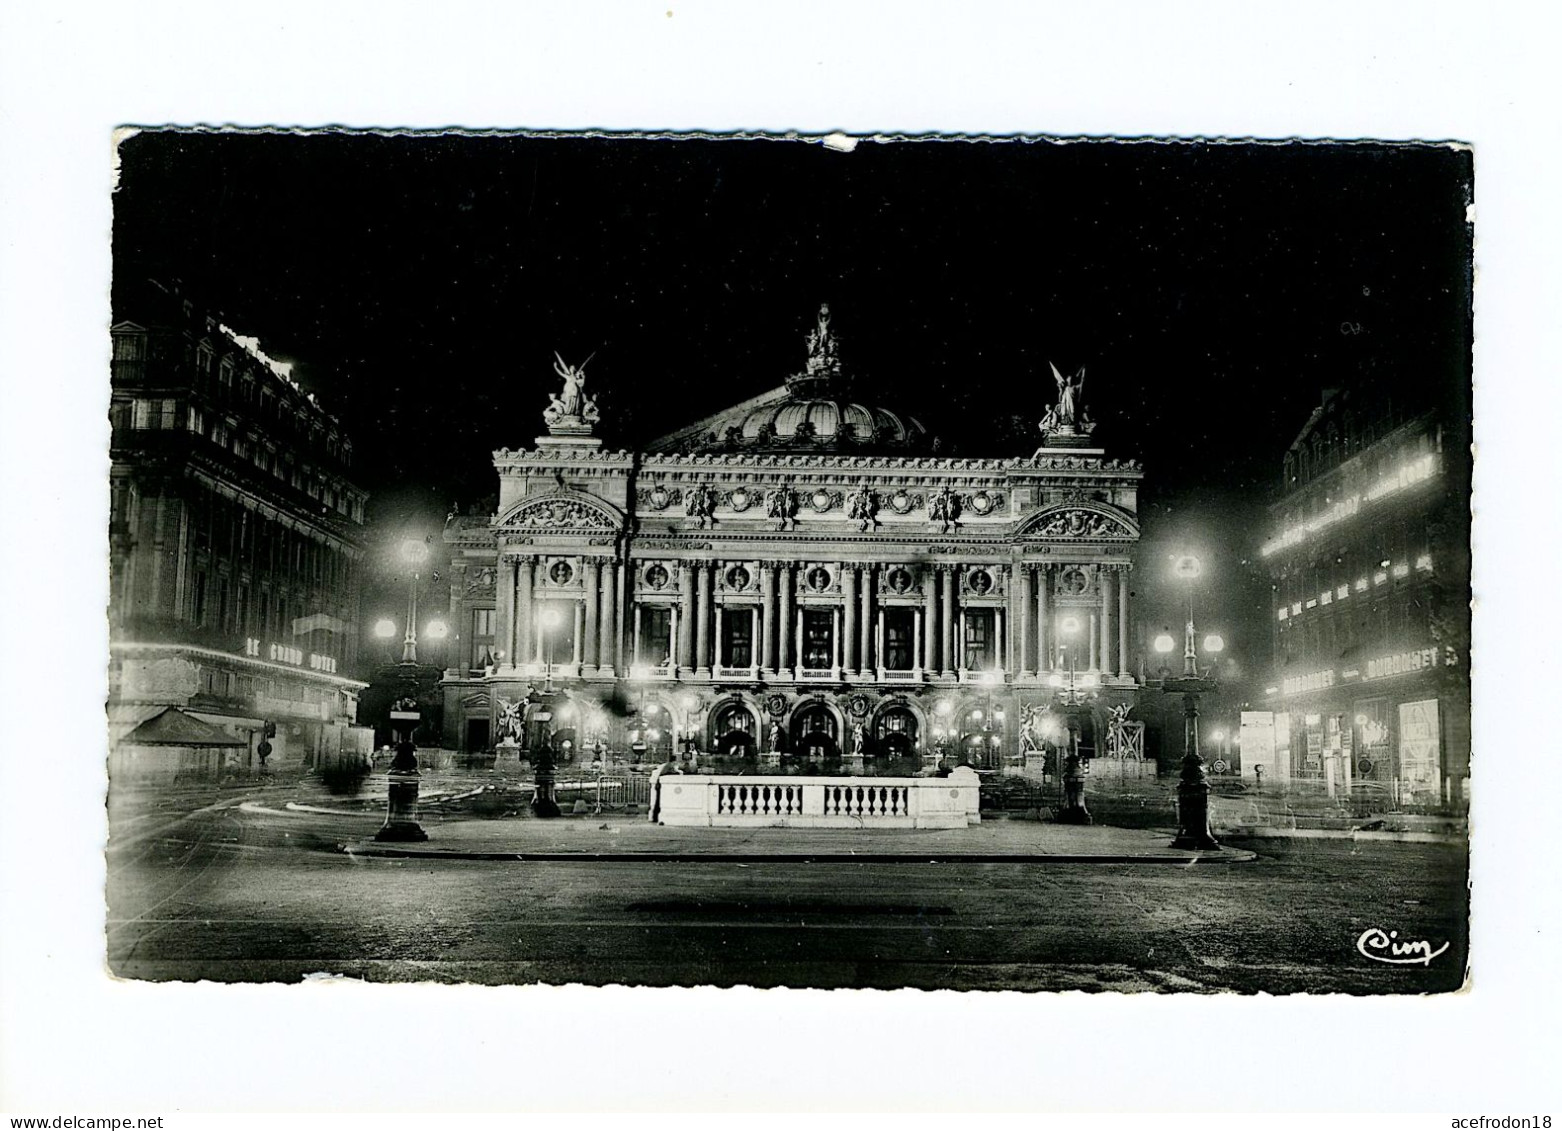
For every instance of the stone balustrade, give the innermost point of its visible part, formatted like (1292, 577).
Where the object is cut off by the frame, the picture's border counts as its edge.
(741, 801)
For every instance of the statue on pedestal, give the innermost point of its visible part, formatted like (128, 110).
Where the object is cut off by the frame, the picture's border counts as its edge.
(1068, 418)
(823, 359)
(571, 411)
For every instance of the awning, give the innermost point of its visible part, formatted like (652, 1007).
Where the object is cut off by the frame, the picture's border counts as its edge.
(173, 727)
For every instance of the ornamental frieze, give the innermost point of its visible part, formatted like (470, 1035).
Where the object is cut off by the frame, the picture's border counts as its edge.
(902, 501)
(658, 498)
(481, 580)
(559, 514)
(781, 504)
(1080, 523)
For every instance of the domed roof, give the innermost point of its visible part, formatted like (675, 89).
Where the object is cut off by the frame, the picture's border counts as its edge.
(815, 411)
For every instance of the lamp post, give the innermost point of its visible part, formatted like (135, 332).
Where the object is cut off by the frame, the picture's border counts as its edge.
(1193, 829)
(1074, 706)
(549, 619)
(414, 552)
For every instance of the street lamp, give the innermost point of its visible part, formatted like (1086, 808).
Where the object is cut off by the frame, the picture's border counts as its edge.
(1193, 829)
(414, 552)
(1074, 706)
(550, 620)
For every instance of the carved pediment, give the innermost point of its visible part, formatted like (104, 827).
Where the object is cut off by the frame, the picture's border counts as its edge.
(561, 513)
(1083, 522)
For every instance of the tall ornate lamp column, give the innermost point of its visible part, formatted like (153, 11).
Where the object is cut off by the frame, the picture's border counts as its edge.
(1193, 829)
(1074, 707)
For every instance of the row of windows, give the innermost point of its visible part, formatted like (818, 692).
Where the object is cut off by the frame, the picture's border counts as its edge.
(1385, 571)
(1324, 639)
(737, 643)
(236, 379)
(167, 413)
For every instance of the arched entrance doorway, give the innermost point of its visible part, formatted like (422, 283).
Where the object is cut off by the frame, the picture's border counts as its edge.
(732, 731)
(896, 732)
(981, 730)
(815, 734)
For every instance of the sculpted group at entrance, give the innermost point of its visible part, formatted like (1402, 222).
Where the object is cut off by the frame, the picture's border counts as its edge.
(764, 581)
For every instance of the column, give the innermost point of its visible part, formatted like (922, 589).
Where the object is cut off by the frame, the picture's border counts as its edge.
(593, 587)
(685, 620)
(767, 619)
(703, 606)
(835, 642)
(930, 617)
(916, 644)
(1108, 583)
(1095, 627)
(786, 658)
(1044, 658)
(607, 647)
(1122, 623)
(525, 613)
(946, 577)
(721, 642)
(505, 636)
(1024, 643)
(1004, 664)
(623, 588)
(757, 621)
(869, 642)
(579, 638)
(635, 660)
(960, 638)
(849, 608)
(458, 659)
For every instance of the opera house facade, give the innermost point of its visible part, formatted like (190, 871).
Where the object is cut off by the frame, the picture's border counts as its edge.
(796, 576)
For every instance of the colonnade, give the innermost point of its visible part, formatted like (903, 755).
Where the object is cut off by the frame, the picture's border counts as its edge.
(1028, 638)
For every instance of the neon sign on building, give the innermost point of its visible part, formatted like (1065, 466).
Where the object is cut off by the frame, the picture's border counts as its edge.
(1407, 474)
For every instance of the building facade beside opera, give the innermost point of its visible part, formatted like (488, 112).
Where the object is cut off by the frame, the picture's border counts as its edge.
(796, 575)
(1370, 565)
(235, 546)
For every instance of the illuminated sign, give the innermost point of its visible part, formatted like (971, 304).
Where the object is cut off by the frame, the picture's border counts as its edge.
(1401, 663)
(1301, 684)
(251, 646)
(1405, 475)
(284, 654)
(322, 663)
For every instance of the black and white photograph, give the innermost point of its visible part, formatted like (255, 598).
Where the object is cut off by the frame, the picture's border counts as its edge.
(745, 560)
(838, 562)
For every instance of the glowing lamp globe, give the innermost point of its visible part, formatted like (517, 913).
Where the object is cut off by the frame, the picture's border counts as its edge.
(1214, 643)
(385, 628)
(1164, 643)
(437, 630)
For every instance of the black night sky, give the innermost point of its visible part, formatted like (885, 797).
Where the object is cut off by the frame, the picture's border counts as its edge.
(421, 284)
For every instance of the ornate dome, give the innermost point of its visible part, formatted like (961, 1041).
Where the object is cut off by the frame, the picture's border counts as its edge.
(815, 411)
(824, 420)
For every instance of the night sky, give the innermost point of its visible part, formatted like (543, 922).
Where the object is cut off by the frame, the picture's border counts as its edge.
(420, 284)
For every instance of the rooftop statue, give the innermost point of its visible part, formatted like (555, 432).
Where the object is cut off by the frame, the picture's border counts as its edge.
(571, 410)
(823, 360)
(1067, 418)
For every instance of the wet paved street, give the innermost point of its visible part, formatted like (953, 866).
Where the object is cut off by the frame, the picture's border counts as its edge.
(234, 895)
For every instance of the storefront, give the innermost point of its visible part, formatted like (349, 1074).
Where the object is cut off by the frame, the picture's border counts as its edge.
(1379, 725)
